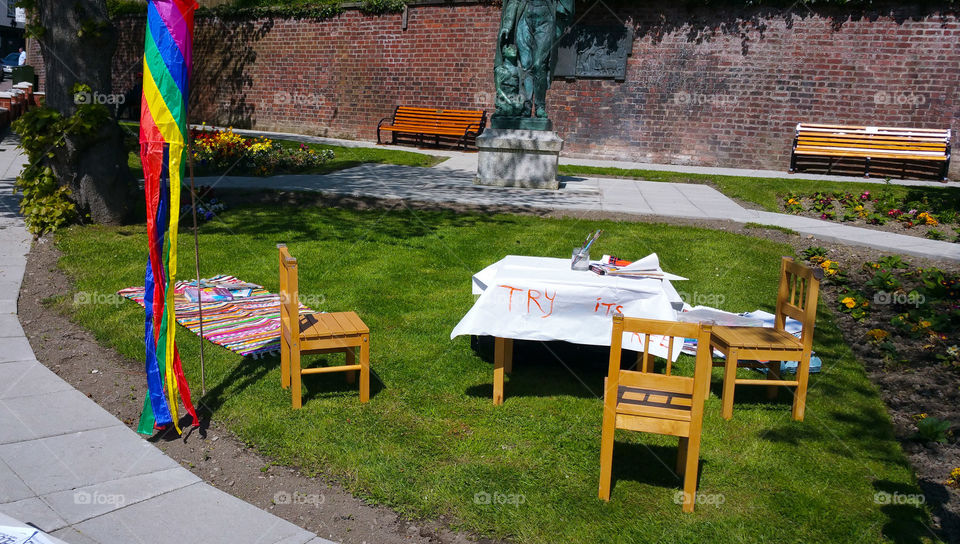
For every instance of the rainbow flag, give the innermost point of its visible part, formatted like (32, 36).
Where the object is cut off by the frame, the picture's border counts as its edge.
(167, 62)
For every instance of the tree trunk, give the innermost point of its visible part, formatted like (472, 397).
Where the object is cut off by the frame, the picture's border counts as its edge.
(77, 41)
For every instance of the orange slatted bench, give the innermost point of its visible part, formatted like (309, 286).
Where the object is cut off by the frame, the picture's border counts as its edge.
(459, 124)
(901, 144)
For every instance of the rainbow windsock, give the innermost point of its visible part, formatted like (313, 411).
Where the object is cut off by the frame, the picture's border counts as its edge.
(167, 62)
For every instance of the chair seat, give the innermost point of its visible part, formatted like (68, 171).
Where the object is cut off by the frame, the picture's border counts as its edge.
(331, 325)
(755, 338)
(656, 403)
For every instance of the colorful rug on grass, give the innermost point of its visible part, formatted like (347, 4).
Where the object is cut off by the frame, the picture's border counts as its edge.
(247, 325)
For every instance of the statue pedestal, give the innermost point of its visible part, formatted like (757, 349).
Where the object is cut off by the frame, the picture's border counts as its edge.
(518, 158)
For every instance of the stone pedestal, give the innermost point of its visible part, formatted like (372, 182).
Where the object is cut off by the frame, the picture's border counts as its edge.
(518, 158)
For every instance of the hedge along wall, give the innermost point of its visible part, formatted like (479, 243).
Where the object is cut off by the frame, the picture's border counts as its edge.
(706, 86)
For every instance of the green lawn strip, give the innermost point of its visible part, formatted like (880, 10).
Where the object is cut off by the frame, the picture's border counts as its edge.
(768, 193)
(430, 442)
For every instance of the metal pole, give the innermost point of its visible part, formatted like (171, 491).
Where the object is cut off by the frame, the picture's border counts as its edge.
(196, 261)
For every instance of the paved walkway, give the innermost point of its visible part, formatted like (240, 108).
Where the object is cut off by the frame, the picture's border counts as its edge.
(468, 161)
(72, 469)
(452, 181)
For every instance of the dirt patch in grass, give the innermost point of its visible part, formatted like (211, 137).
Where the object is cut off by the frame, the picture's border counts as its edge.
(214, 454)
(210, 451)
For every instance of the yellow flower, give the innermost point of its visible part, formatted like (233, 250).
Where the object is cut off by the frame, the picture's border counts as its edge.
(878, 335)
(849, 302)
(924, 324)
(792, 201)
(954, 477)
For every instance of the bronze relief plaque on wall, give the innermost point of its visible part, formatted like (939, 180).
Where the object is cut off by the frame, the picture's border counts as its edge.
(594, 52)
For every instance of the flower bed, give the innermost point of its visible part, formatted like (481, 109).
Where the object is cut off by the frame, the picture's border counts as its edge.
(903, 322)
(223, 151)
(937, 220)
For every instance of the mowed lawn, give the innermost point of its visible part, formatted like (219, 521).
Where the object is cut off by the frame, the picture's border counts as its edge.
(430, 442)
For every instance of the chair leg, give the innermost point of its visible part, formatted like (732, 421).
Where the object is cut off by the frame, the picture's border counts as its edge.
(365, 369)
(284, 364)
(606, 453)
(295, 377)
(773, 373)
(351, 357)
(682, 454)
(729, 381)
(800, 397)
(690, 473)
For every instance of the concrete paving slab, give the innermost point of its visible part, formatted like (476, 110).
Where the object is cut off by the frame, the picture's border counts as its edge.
(10, 521)
(48, 415)
(83, 503)
(196, 513)
(69, 461)
(7, 305)
(10, 326)
(15, 349)
(35, 511)
(26, 378)
(73, 536)
(12, 487)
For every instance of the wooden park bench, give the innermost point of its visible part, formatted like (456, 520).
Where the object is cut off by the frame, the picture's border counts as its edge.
(898, 146)
(457, 124)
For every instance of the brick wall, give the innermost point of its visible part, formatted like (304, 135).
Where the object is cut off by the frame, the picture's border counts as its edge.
(721, 87)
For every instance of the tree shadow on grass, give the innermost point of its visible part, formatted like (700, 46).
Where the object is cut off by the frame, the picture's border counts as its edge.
(310, 217)
(907, 519)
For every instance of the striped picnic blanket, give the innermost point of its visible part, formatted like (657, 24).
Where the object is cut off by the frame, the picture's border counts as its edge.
(248, 325)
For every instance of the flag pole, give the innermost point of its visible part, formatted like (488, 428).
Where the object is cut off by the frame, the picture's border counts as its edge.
(196, 261)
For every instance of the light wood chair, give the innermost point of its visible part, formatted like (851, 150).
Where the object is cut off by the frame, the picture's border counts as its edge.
(765, 347)
(314, 333)
(641, 400)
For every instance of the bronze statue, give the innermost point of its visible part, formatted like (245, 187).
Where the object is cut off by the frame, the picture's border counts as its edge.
(532, 29)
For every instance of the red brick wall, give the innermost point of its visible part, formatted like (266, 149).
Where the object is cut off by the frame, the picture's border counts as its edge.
(721, 87)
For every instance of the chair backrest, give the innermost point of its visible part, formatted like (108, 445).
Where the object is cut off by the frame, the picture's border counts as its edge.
(289, 294)
(797, 297)
(694, 388)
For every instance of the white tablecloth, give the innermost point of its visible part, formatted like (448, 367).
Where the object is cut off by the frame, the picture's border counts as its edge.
(540, 298)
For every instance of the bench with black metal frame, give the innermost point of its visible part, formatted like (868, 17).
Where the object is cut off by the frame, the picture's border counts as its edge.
(458, 124)
(899, 144)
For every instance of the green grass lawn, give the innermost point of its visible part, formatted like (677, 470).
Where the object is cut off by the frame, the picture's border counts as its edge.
(430, 439)
(769, 192)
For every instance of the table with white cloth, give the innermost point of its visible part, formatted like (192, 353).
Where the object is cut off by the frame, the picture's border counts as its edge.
(541, 298)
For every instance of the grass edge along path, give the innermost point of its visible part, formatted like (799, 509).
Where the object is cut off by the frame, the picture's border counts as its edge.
(430, 443)
(767, 193)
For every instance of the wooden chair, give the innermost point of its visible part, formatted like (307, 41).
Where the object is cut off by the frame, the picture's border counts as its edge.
(796, 298)
(313, 333)
(641, 400)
